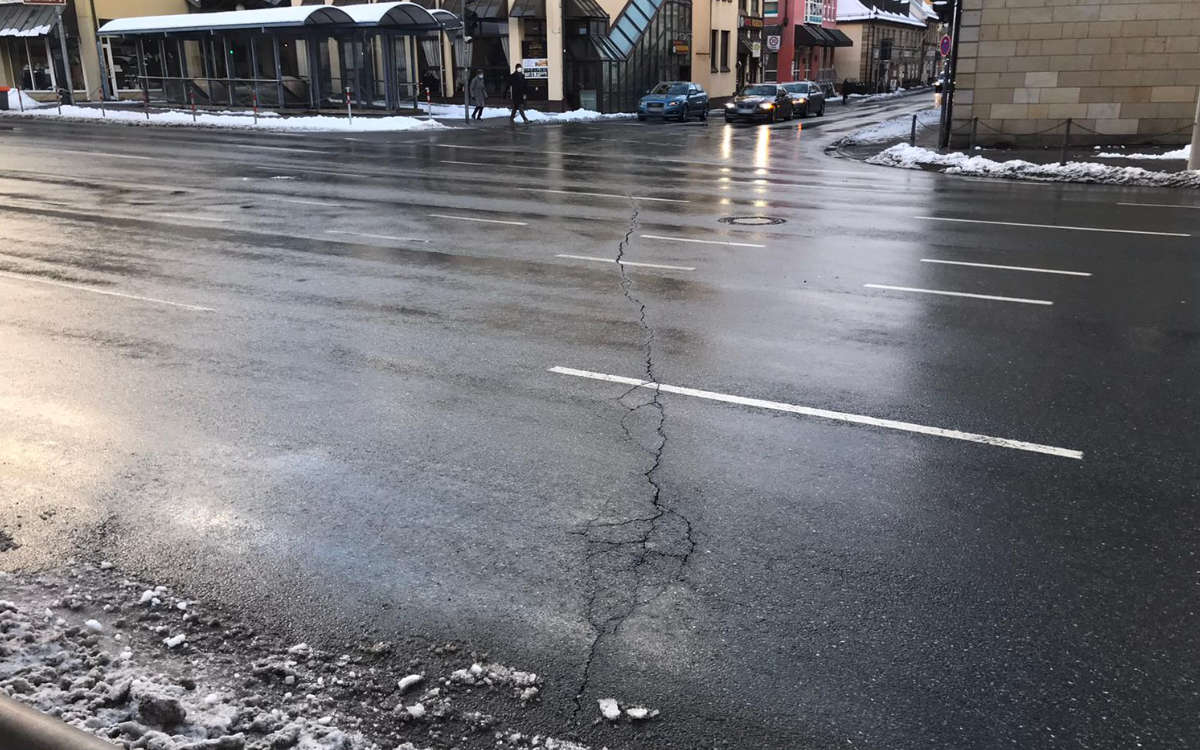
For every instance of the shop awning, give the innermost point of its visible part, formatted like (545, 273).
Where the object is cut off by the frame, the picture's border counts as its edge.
(808, 36)
(401, 15)
(27, 20)
(839, 38)
(583, 9)
(528, 9)
(490, 8)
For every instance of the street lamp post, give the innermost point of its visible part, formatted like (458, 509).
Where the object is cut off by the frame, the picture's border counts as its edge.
(951, 72)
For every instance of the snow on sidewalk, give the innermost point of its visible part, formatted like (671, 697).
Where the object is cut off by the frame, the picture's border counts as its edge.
(266, 121)
(893, 129)
(18, 99)
(452, 111)
(1180, 153)
(909, 157)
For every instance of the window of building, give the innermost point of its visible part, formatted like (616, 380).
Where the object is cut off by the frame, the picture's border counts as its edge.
(725, 51)
(814, 11)
(712, 51)
(770, 67)
(770, 7)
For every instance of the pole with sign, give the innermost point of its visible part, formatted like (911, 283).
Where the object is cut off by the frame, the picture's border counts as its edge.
(62, 42)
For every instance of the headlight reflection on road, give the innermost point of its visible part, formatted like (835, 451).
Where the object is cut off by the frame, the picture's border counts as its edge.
(727, 142)
(762, 147)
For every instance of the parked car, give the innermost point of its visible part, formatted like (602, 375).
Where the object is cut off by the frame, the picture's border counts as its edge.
(679, 99)
(760, 102)
(807, 98)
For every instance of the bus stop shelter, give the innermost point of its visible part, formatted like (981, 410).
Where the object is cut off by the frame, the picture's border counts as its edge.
(307, 56)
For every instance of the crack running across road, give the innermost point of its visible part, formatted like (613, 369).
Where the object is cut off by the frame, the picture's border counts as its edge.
(633, 561)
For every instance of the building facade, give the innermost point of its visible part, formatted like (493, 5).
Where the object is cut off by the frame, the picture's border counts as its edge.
(1120, 70)
(807, 35)
(895, 43)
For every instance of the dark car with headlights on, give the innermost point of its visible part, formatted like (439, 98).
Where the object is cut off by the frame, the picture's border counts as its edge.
(760, 102)
(807, 98)
(678, 99)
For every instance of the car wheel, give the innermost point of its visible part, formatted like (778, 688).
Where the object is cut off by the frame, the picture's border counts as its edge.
(821, 111)
(704, 114)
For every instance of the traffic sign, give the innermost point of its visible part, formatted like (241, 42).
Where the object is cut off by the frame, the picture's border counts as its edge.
(944, 46)
(773, 43)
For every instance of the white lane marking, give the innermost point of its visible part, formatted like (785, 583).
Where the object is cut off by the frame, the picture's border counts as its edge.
(482, 221)
(376, 236)
(1053, 226)
(625, 262)
(187, 217)
(81, 288)
(699, 242)
(959, 294)
(279, 148)
(101, 153)
(838, 416)
(1005, 268)
(470, 163)
(1159, 205)
(603, 195)
(303, 202)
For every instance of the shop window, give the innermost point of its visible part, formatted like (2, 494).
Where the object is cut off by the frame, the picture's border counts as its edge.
(724, 51)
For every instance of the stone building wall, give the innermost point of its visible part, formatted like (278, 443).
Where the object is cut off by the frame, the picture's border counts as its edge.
(1128, 69)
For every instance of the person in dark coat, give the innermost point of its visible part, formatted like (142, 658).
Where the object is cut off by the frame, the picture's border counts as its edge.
(518, 89)
(478, 95)
(845, 92)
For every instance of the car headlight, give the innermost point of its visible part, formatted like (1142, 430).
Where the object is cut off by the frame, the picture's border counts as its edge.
(729, 105)
(766, 105)
(801, 99)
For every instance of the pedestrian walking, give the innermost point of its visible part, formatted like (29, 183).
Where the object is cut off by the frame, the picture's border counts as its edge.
(517, 89)
(845, 91)
(478, 94)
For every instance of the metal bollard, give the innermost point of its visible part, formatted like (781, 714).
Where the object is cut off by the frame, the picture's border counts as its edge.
(146, 102)
(1062, 159)
(255, 95)
(20, 100)
(912, 136)
(192, 96)
(971, 138)
(349, 113)
(103, 112)
(58, 95)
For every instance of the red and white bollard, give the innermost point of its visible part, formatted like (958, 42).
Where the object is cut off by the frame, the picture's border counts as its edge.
(349, 114)
(146, 102)
(58, 94)
(255, 95)
(192, 97)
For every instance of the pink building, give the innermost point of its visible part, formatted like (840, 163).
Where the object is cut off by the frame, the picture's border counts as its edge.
(808, 36)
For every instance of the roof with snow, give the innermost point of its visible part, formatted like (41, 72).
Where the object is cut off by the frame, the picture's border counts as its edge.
(26, 20)
(395, 16)
(850, 11)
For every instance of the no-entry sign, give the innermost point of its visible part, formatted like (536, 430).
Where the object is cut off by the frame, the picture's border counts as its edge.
(944, 46)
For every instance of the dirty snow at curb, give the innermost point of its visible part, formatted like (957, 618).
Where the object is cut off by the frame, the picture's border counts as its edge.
(448, 111)
(1182, 153)
(893, 129)
(317, 123)
(122, 660)
(909, 157)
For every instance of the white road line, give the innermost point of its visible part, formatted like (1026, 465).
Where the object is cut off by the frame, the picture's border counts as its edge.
(699, 242)
(625, 262)
(469, 163)
(838, 416)
(279, 148)
(1159, 205)
(303, 202)
(1005, 268)
(1052, 226)
(81, 288)
(188, 217)
(102, 153)
(377, 236)
(482, 221)
(959, 294)
(603, 195)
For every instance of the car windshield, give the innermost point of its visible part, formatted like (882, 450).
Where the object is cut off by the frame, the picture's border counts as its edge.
(796, 88)
(670, 88)
(759, 91)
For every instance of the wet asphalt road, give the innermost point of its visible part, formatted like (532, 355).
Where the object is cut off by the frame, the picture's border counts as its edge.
(315, 391)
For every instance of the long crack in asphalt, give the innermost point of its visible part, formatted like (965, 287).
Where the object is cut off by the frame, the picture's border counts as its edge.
(634, 561)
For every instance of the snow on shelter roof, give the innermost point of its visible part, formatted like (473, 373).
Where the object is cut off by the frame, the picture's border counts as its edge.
(401, 14)
(853, 10)
(288, 16)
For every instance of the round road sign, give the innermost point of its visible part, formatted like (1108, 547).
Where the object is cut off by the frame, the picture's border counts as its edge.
(945, 46)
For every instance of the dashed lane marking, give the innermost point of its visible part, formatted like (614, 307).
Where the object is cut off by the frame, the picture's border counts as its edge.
(1004, 268)
(481, 221)
(958, 294)
(699, 242)
(837, 416)
(1053, 226)
(105, 292)
(626, 262)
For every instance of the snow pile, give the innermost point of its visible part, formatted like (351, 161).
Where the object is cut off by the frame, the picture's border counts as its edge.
(217, 120)
(447, 111)
(878, 97)
(910, 157)
(18, 99)
(890, 130)
(523, 684)
(611, 711)
(1181, 153)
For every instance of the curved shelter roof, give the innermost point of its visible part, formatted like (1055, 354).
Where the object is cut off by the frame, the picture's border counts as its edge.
(394, 16)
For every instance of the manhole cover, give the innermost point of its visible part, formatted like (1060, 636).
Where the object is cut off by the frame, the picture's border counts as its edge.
(752, 220)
